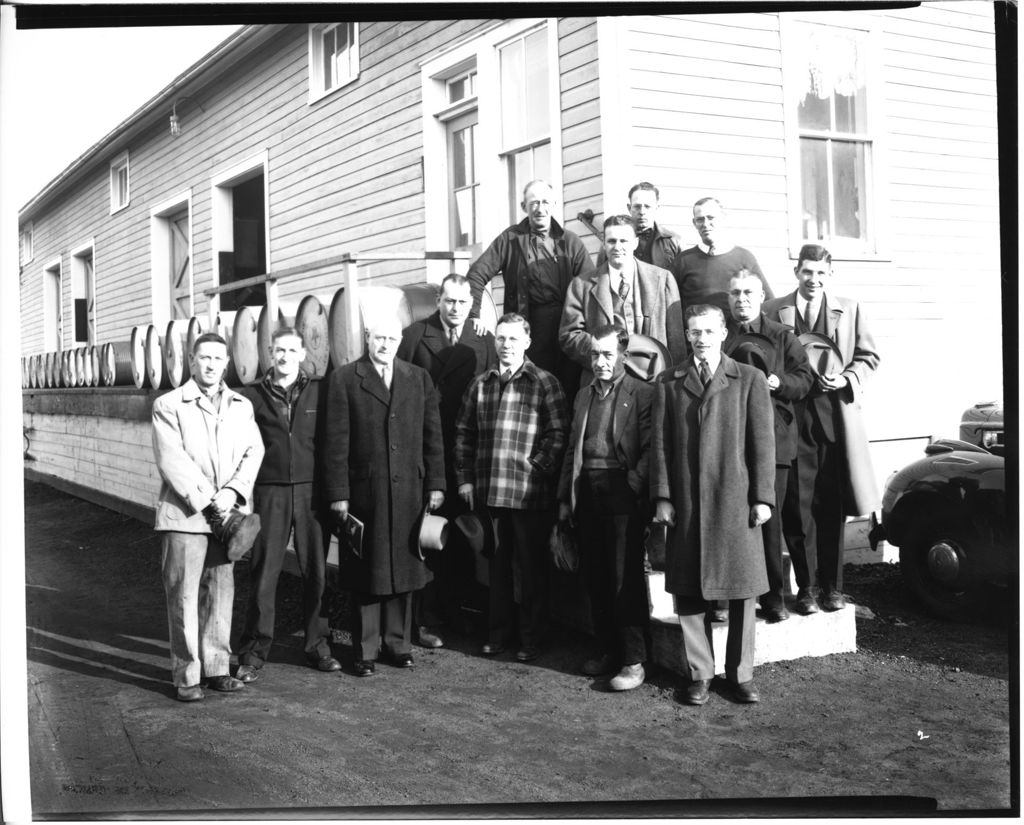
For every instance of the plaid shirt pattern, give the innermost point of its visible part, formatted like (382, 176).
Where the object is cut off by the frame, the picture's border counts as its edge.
(510, 444)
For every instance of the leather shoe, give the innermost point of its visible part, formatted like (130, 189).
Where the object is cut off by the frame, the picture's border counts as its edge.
(189, 693)
(631, 676)
(247, 673)
(400, 659)
(364, 667)
(833, 600)
(805, 604)
(428, 639)
(527, 654)
(226, 684)
(492, 649)
(719, 615)
(697, 692)
(775, 613)
(598, 667)
(745, 692)
(328, 664)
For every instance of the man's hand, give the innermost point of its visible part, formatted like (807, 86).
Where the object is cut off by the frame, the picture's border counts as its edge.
(223, 500)
(773, 382)
(479, 327)
(565, 512)
(340, 509)
(664, 512)
(435, 498)
(466, 494)
(759, 514)
(832, 381)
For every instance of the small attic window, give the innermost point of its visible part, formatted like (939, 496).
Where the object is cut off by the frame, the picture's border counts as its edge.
(120, 192)
(333, 57)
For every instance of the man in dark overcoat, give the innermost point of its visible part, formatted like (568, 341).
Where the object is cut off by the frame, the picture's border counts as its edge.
(789, 378)
(384, 460)
(454, 352)
(712, 481)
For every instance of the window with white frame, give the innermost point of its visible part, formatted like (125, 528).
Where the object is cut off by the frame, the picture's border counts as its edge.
(25, 253)
(120, 191)
(333, 57)
(833, 137)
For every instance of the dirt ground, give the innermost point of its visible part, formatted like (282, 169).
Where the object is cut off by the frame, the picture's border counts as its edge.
(918, 720)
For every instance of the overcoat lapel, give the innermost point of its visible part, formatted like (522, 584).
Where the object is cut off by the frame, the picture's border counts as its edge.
(370, 380)
(623, 405)
(787, 313)
(832, 319)
(602, 293)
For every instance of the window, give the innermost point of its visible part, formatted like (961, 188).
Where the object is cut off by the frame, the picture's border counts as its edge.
(25, 253)
(120, 192)
(831, 125)
(333, 57)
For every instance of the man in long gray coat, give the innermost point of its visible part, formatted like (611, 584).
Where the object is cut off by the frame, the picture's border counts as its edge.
(713, 483)
(384, 459)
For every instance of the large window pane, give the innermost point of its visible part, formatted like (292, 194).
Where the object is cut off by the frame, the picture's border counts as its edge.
(462, 157)
(849, 176)
(835, 93)
(524, 90)
(513, 94)
(537, 84)
(465, 216)
(814, 112)
(814, 183)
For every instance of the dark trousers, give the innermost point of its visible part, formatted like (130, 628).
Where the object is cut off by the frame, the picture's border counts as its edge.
(771, 534)
(454, 581)
(519, 575)
(699, 655)
(610, 529)
(813, 512)
(382, 618)
(280, 507)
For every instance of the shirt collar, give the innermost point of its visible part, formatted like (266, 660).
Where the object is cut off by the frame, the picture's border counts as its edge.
(720, 248)
(613, 385)
(713, 362)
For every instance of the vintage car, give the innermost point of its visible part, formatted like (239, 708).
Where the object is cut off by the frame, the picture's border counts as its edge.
(947, 513)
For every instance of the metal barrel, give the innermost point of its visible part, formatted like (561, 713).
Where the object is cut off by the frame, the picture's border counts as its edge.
(137, 354)
(116, 364)
(243, 349)
(153, 346)
(312, 319)
(176, 352)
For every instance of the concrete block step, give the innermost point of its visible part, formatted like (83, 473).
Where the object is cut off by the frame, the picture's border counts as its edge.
(819, 635)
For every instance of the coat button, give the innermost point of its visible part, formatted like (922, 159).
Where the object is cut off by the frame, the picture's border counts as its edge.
(394, 447)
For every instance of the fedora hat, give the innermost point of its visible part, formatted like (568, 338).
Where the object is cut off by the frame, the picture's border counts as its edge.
(478, 528)
(645, 357)
(433, 533)
(655, 537)
(822, 352)
(754, 349)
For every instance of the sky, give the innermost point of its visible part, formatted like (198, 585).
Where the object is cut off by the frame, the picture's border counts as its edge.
(70, 87)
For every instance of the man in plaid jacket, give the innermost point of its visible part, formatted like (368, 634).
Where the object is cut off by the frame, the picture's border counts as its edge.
(509, 441)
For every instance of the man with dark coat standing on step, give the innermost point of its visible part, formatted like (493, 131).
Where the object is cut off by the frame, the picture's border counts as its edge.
(537, 260)
(713, 483)
(789, 379)
(288, 407)
(454, 353)
(384, 461)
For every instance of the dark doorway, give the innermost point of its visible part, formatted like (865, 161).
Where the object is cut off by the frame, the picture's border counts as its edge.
(249, 258)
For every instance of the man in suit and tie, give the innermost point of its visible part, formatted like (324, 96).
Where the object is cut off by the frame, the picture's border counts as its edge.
(384, 459)
(656, 244)
(789, 379)
(604, 488)
(833, 475)
(454, 353)
(712, 482)
(639, 297)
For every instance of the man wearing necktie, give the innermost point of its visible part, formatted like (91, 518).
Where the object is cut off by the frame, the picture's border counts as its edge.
(384, 460)
(537, 260)
(833, 475)
(702, 272)
(639, 297)
(454, 352)
(713, 483)
(656, 244)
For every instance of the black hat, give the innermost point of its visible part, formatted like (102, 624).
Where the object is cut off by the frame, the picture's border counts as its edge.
(754, 349)
(823, 353)
(646, 357)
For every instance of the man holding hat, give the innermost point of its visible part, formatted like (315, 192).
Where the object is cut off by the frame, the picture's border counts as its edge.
(833, 475)
(772, 347)
(384, 459)
(604, 489)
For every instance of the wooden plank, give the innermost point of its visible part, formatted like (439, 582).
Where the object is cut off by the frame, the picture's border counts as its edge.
(578, 38)
(926, 80)
(579, 95)
(930, 113)
(950, 64)
(671, 45)
(926, 144)
(568, 25)
(748, 21)
(681, 69)
(584, 56)
(709, 142)
(690, 122)
(585, 112)
(959, 184)
(964, 102)
(908, 158)
(682, 101)
(675, 157)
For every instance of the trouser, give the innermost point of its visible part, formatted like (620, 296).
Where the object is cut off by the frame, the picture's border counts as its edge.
(519, 576)
(386, 619)
(610, 529)
(771, 534)
(280, 506)
(199, 585)
(698, 653)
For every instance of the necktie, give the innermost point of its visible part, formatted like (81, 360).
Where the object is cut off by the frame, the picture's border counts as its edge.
(453, 335)
(506, 376)
(810, 316)
(711, 249)
(623, 289)
(385, 376)
(704, 371)
(744, 329)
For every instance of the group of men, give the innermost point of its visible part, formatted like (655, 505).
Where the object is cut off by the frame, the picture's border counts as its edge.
(537, 423)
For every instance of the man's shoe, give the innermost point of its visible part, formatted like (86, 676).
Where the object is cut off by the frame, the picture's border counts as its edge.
(327, 664)
(189, 693)
(402, 660)
(226, 684)
(527, 654)
(697, 693)
(833, 600)
(745, 692)
(775, 613)
(631, 676)
(428, 639)
(247, 673)
(364, 667)
(805, 604)
(598, 667)
(492, 649)
(719, 615)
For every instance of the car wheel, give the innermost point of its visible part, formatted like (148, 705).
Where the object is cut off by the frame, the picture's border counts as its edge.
(937, 566)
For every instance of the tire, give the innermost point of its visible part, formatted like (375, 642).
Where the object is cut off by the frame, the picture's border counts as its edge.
(938, 564)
